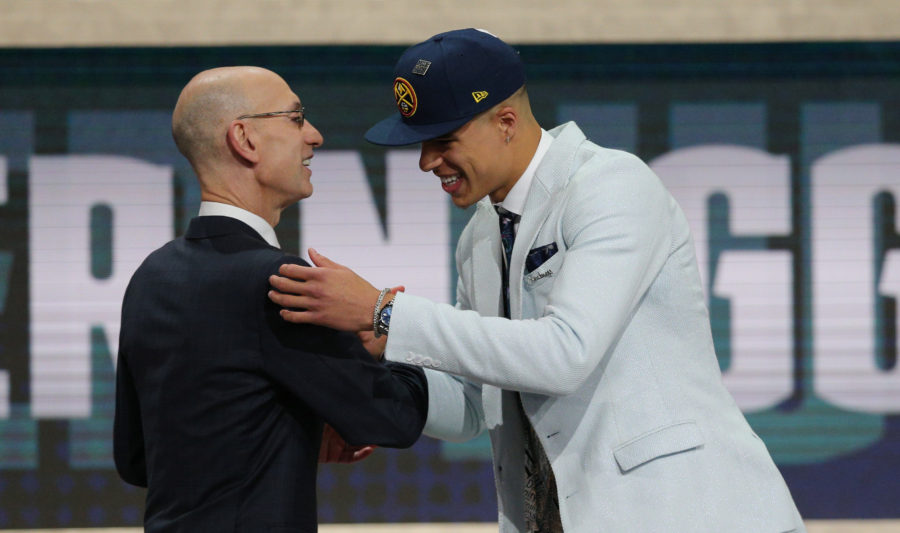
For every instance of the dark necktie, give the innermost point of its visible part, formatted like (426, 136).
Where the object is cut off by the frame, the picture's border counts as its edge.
(507, 238)
(541, 500)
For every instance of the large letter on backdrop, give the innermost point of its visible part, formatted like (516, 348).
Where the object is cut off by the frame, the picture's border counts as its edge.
(341, 221)
(850, 273)
(758, 283)
(92, 220)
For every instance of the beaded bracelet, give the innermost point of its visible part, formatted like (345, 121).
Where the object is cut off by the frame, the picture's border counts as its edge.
(377, 309)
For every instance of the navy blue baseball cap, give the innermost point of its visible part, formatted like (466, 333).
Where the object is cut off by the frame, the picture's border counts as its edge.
(441, 83)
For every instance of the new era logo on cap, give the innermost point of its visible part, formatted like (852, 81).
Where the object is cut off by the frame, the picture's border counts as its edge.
(443, 82)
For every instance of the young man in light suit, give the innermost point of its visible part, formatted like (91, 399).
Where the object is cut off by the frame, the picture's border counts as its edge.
(593, 367)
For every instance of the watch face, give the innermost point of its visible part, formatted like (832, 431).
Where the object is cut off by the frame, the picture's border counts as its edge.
(384, 321)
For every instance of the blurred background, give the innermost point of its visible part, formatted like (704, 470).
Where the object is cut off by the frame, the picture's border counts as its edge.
(774, 123)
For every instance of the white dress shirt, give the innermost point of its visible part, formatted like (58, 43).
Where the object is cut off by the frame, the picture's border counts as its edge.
(515, 198)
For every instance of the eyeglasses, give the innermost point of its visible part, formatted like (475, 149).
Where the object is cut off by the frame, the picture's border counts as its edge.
(300, 119)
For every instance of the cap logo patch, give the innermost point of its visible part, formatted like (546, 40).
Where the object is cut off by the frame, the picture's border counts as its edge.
(406, 97)
(421, 67)
(479, 96)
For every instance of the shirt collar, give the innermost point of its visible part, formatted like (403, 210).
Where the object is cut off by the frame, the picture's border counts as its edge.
(515, 198)
(256, 222)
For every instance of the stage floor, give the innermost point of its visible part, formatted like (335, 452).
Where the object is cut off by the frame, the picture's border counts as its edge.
(813, 526)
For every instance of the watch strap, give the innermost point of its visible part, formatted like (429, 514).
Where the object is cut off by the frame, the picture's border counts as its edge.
(376, 313)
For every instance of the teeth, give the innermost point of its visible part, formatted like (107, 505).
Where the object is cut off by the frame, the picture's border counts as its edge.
(306, 162)
(449, 180)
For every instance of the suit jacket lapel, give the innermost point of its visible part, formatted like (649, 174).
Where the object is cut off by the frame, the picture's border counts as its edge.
(486, 261)
(486, 287)
(551, 175)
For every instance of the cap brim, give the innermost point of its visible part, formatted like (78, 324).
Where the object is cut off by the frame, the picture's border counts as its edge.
(393, 131)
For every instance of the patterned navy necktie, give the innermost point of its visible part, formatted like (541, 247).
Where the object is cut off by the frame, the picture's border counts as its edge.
(507, 238)
(540, 497)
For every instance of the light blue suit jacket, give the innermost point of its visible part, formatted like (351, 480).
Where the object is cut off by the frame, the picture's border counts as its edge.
(611, 347)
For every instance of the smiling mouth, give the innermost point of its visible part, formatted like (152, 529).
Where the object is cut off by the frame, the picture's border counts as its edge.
(451, 184)
(307, 161)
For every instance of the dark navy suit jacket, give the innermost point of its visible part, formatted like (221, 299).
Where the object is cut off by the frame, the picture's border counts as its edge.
(220, 403)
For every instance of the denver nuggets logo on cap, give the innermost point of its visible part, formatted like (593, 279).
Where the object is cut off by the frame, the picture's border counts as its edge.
(406, 97)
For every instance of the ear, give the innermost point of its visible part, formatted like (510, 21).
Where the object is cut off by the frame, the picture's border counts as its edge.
(507, 120)
(242, 142)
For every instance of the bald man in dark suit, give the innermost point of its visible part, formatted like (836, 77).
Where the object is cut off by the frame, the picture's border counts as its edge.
(220, 404)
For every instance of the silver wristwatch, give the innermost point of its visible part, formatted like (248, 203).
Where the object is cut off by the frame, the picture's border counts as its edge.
(383, 324)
